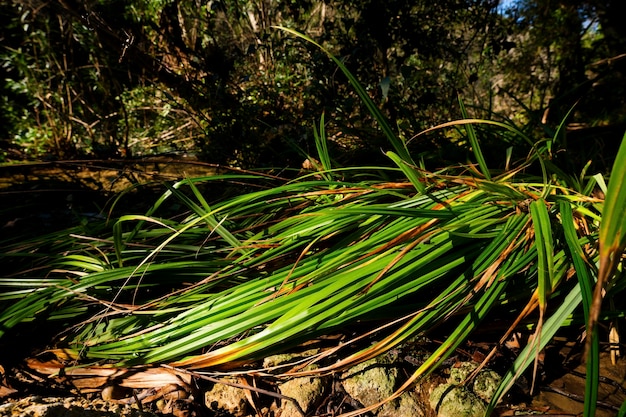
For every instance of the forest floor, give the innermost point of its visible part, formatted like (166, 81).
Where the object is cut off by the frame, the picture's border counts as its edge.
(39, 197)
(559, 393)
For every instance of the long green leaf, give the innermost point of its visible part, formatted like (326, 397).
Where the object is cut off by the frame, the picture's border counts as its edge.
(612, 240)
(527, 356)
(410, 172)
(585, 280)
(545, 250)
(612, 237)
(399, 147)
(473, 139)
(322, 147)
(207, 214)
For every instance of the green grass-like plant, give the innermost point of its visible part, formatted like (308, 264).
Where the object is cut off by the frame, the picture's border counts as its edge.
(259, 272)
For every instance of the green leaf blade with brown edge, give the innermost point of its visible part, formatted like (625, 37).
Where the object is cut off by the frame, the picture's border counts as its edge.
(612, 238)
(585, 280)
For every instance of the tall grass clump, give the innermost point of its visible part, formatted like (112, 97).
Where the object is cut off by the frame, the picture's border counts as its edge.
(392, 251)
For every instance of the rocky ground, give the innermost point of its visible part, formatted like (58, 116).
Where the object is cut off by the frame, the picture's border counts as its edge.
(362, 386)
(448, 393)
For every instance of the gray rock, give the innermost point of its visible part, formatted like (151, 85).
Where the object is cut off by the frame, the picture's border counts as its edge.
(370, 382)
(307, 391)
(227, 398)
(374, 381)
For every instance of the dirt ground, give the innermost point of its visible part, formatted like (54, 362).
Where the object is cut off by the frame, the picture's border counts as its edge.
(560, 396)
(43, 197)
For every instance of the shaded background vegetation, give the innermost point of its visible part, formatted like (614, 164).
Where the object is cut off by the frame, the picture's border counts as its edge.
(109, 79)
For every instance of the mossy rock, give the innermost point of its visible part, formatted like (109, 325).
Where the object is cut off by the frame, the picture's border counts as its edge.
(371, 382)
(374, 381)
(486, 383)
(307, 391)
(450, 400)
(454, 399)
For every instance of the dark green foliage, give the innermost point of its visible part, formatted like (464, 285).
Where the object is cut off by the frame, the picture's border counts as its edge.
(112, 78)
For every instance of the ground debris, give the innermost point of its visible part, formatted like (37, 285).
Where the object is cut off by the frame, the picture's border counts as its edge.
(36, 406)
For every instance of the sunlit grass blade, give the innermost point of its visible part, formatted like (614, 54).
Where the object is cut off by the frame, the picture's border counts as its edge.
(545, 248)
(120, 244)
(545, 263)
(410, 172)
(527, 356)
(473, 139)
(585, 280)
(559, 134)
(612, 238)
(322, 147)
(464, 122)
(204, 211)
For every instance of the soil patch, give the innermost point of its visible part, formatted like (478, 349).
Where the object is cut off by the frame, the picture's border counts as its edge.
(42, 197)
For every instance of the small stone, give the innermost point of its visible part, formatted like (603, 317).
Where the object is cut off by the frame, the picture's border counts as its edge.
(370, 382)
(486, 383)
(161, 404)
(114, 392)
(307, 391)
(450, 400)
(227, 398)
(275, 360)
(460, 372)
(285, 358)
